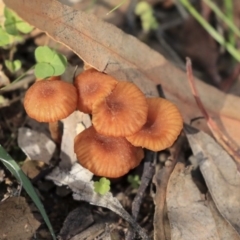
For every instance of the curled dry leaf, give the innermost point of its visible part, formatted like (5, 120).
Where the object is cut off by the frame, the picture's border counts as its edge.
(188, 214)
(225, 230)
(220, 173)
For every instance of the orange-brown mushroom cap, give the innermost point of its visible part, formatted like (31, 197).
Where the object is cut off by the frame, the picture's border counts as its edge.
(122, 113)
(164, 124)
(50, 100)
(92, 86)
(104, 155)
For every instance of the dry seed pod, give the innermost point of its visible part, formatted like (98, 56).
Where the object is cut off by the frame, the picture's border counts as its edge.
(92, 86)
(50, 100)
(122, 113)
(164, 124)
(104, 155)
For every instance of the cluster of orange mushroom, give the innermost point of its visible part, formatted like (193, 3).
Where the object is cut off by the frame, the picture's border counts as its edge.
(124, 120)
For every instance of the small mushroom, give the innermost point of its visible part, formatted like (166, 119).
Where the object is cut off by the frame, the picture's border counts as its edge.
(50, 100)
(92, 86)
(122, 113)
(164, 124)
(104, 155)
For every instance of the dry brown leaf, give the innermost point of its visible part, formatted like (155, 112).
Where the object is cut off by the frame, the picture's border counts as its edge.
(220, 173)
(102, 8)
(188, 214)
(108, 49)
(225, 230)
(161, 225)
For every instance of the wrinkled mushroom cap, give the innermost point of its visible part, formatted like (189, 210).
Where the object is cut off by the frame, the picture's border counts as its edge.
(122, 113)
(106, 156)
(50, 100)
(164, 124)
(92, 86)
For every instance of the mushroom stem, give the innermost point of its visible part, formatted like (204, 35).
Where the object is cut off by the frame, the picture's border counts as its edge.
(55, 132)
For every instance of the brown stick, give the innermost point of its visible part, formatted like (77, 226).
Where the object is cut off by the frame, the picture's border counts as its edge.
(222, 139)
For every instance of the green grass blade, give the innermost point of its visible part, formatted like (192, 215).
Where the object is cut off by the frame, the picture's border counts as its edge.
(228, 7)
(228, 20)
(219, 38)
(13, 167)
(115, 8)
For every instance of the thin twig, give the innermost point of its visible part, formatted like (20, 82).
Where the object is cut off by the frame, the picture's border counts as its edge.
(225, 142)
(148, 172)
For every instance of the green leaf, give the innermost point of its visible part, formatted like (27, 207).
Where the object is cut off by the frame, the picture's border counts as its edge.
(44, 54)
(145, 12)
(24, 27)
(134, 180)
(43, 70)
(59, 63)
(142, 7)
(102, 186)
(8, 13)
(13, 66)
(13, 23)
(10, 26)
(115, 8)
(13, 167)
(4, 37)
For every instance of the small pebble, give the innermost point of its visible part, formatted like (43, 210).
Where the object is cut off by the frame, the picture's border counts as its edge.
(168, 163)
(162, 157)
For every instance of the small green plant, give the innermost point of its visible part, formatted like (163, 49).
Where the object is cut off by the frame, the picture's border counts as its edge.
(102, 186)
(11, 30)
(134, 180)
(13, 66)
(145, 12)
(4, 37)
(49, 62)
(14, 25)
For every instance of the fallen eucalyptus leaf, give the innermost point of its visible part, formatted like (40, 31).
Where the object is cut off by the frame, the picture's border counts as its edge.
(189, 216)
(220, 173)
